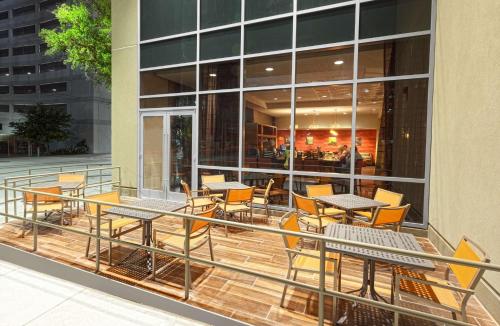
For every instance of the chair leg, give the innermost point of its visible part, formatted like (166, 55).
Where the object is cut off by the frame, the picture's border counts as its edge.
(464, 313)
(225, 226)
(210, 248)
(88, 245)
(285, 288)
(396, 314)
(153, 274)
(268, 214)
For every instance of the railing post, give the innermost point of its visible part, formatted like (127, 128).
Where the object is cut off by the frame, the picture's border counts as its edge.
(35, 225)
(100, 178)
(6, 199)
(98, 239)
(187, 267)
(120, 180)
(15, 196)
(29, 173)
(321, 294)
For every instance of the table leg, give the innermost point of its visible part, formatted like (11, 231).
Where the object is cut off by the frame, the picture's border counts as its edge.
(362, 292)
(148, 234)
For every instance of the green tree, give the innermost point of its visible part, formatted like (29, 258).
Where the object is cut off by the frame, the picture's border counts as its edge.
(84, 36)
(42, 125)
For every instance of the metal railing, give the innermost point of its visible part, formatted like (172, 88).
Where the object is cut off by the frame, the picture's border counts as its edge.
(188, 259)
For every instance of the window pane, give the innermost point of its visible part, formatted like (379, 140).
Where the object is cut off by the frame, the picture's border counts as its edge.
(323, 128)
(168, 52)
(23, 108)
(53, 88)
(23, 70)
(225, 43)
(324, 27)
(394, 57)
(413, 195)
(267, 116)
(4, 108)
(220, 75)
(4, 71)
(219, 129)
(280, 188)
(386, 17)
(396, 112)
(266, 71)
(168, 102)
(4, 89)
(325, 64)
(268, 36)
(219, 12)
(339, 185)
(175, 80)
(4, 52)
(262, 8)
(153, 153)
(31, 89)
(4, 33)
(167, 17)
(181, 146)
(306, 4)
(52, 66)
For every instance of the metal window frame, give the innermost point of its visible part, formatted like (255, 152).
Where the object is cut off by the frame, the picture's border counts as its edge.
(294, 14)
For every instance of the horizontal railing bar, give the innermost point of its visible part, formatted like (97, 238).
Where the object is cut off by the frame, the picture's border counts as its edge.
(32, 176)
(53, 167)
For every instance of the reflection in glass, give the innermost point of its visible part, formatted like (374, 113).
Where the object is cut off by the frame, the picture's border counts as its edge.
(397, 110)
(413, 194)
(405, 56)
(181, 127)
(323, 135)
(219, 129)
(167, 17)
(152, 153)
(388, 17)
(175, 80)
(339, 185)
(279, 190)
(306, 4)
(168, 52)
(220, 75)
(228, 175)
(325, 64)
(268, 36)
(220, 44)
(167, 102)
(262, 8)
(267, 121)
(219, 12)
(336, 25)
(269, 70)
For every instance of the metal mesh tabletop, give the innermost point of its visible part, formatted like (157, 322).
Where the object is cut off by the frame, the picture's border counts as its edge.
(159, 204)
(377, 237)
(225, 185)
(350, 202)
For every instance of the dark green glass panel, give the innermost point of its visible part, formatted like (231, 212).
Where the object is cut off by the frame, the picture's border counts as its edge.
(219, 12)
(264, 8)
(306, 4)
(168, 52)
(167, 17)
(324, 27)
(268, 36)
(220, 44)
(387, 17)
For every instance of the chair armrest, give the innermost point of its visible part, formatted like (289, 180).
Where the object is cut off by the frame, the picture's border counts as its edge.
(156, 231)
(259, 191)
(400, 277)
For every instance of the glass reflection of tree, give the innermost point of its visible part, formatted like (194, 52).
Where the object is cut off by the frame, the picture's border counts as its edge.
(181, 150)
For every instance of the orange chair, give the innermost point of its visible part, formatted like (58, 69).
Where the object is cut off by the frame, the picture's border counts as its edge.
(386, 218)
(79, 191)
(309, 214)
(394, 199)
(211, 179)
(238, 201)
(203, 202)
(45, 204)
(324, 190)
(306, 260)
(262, 198)
(438, 292)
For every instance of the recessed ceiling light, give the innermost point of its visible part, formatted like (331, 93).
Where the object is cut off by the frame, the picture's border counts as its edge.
(339, 62)
(54, 90)
(7, 74)
(306, 114)
(29, 73)
(344, 113)
(299, 97)
(324, 96)
(275, 98)
(366, 90)
(269, 69)
(213, 75)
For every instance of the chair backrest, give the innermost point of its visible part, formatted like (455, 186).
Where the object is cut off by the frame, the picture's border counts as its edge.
(290, 222)
(468, 277)
(29, 198)
(213, 178)
(390, 216)
(71, 178)
(308, 205)
(268, 188)
(394, 199)
(187, 190)
(109, 197)
(198, 225)
(240, 195)
(319, 190)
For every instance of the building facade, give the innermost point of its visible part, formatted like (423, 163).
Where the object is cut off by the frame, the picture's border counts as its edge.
(29, 77)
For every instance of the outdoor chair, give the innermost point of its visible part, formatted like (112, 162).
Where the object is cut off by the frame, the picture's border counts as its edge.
(238, 201)
(438, 292)
(278, 188)
(199, 235)
(80, 191)
(324, 190)
(211, 179)
(45, 204)
(394, 199)
(307, 260)
(261, 197)
(111, 224)
(385, 218)
(203, 202)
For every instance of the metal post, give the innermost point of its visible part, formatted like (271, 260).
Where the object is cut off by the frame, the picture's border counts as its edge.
(29, 173)
(98, 239)
(120, 180)
(35, 225)
(187, 268)
(100, 179)
(6, 195)
(321, 293)
(15, 196)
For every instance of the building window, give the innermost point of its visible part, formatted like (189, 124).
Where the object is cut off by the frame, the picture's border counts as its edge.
(25, 30)
(23, 11)
(4, 71)
(4, 108)
(4, 52)
(24, 70)
(4, 34)
(4, 89)
(50, 24)
(4, 15)
(23, 50)
(50, 4)
(28, 89)
(43, 48)
(59, 107)
(176, 80)
(53, 88)
(52, 66)
(168, 52)
(23, 108)
(162, 18)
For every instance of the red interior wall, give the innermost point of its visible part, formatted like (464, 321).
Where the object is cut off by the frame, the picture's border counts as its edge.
(368, 139)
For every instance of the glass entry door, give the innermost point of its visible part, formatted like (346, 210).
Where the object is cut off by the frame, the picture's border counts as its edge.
(167, 154)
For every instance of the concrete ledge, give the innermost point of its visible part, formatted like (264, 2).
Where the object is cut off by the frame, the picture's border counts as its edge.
(488, 296)
(118, 289)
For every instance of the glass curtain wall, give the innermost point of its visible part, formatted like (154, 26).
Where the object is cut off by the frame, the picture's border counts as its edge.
(301, 91)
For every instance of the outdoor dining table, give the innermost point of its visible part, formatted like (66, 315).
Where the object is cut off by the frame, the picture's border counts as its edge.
(147, 218)
(385, 238)
(224, 186)
(350, 203)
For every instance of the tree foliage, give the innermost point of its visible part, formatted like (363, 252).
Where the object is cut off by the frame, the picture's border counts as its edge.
(42, 125)
(84, 36)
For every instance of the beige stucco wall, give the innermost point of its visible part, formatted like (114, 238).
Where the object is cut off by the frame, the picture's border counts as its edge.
(465, 182)
(124, 90)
